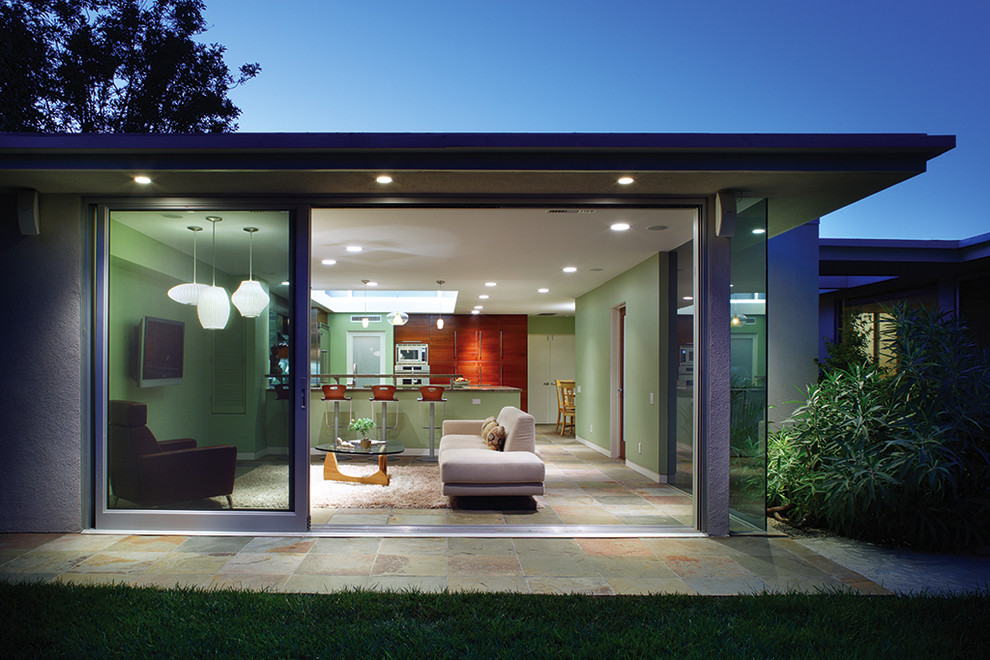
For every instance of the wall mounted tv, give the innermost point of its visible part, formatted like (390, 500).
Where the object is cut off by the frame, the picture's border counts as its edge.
(157, 353)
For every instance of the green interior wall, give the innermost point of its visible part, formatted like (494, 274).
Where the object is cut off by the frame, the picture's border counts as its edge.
(639, 289)
(550, 325)
(141, 272)
(340, 325)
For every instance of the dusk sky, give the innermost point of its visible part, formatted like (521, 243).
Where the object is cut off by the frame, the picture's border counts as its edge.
(761, 66)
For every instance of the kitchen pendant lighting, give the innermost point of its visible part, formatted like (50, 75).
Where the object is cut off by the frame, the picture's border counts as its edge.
(213, 307)
(397, 318)
(440, 298)
(365, 320)
(189, 292)
(250, 298)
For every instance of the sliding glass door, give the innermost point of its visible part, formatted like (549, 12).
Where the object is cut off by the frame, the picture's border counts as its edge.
(197, 409)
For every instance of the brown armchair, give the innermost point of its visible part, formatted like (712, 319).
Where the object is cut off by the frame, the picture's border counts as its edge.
(148, 472)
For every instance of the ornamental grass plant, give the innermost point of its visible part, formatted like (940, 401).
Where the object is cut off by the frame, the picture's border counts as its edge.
(897, 454)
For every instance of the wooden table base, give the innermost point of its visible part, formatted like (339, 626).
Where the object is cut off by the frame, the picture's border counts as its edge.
(331, 472)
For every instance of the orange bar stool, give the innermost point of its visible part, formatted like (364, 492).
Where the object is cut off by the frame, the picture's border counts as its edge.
(431, 394)
(335, 394)
(384, 395)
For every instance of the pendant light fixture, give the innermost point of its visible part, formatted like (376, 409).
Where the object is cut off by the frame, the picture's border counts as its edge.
(213, 307)
(189, 292)
(440, 298)
(397, 318)
(364, 319)
(250, 298)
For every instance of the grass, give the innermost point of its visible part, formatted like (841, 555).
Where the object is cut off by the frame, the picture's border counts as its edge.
(54, 620)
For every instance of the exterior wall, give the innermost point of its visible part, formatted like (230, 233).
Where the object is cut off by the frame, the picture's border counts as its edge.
(42, 406)
(792, 318)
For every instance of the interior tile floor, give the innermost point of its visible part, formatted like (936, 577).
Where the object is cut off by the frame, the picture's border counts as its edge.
(582, 487)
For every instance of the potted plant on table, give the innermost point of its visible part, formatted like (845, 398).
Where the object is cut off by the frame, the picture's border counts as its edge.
(362, 425)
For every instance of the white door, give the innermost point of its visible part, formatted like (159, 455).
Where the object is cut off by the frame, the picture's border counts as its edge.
(366, 355)
(551, 357)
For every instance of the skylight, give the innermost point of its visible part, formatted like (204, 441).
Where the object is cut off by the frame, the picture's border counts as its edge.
(410, 302)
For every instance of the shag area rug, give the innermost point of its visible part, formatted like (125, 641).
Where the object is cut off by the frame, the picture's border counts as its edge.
(415, 486)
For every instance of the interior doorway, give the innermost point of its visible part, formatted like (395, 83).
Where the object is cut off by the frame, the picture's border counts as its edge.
(617, 382)
(551, 358)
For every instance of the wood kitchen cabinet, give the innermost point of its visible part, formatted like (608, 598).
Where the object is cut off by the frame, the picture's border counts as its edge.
(485, 349)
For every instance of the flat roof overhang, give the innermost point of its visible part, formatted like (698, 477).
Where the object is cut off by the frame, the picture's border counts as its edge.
(805, 175)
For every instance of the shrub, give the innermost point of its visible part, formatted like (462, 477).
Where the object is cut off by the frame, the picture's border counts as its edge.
(898, 456)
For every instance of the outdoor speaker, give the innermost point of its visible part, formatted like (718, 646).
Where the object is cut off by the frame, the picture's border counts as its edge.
(725, 214)
(27, 212)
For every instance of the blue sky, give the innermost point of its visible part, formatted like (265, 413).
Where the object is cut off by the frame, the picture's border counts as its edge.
(619, 66)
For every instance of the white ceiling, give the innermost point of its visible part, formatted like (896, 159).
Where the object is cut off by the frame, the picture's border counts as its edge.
(408, 249)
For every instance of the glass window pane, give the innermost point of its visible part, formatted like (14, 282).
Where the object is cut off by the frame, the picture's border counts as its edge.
(198, 349)
(748, 370)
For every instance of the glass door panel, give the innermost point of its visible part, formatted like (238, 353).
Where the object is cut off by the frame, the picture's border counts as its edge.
(198, 357)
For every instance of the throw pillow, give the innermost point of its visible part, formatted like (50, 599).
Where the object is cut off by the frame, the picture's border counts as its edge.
(496, 438)
(487, 427)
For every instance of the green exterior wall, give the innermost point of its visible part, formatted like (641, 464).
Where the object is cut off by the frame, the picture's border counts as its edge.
(639, 289)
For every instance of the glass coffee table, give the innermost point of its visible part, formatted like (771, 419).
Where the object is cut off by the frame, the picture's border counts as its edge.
(331, 472)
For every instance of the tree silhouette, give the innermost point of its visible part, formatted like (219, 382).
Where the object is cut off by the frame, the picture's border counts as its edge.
(113, 66)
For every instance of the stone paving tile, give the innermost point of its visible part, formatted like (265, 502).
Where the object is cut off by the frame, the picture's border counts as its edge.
(596, 586)
(614, 547)
(214, 545)
(112, 561)
(426, 584)
(632, 567)
(287, 544)
(490, 547)
(474, 518)
(320, 516)
(26, 540)
(686, 566)
(87, 543)
(585, 515)
(477, 566)
(185, 563)
(348, 517)
(336, 564)
(347, 545)
(489, 584)
(247, 582)
(720, 586)
(787, 584)
(142, 543)
(409, 565)
(262, 563)
(42, 562)
(413, 546)
(541, 517)
(320, 584)
(417, 517)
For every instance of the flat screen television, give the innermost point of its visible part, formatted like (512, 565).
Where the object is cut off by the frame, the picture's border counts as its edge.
(157, 355)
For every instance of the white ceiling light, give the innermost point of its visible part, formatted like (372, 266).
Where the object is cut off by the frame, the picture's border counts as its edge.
(370, 283)
(620, 226)
(759, 230)
(142, 179)
(543, 290)
(354, 248)
(440, 318)
(213, 306)
(479, 306)
(484, 296)
(189, 292)
(384, 178)
(491, 283)
(250, 299)
(475, 311)
(626, 180)
(570, 269)
(329, 262)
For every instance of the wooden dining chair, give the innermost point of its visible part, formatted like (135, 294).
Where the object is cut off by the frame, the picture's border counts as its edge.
(565, 406)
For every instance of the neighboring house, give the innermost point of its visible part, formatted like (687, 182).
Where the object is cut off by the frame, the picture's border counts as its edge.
(672, 312)
(864, 277)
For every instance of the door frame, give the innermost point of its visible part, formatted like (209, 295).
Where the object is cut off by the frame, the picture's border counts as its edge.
(616, 368)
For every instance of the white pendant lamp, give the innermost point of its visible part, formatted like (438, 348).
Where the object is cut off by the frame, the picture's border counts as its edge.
(397, 318)
(250, 298)
(213, 307)
(440, 298)
(365, 320)
(189, 292)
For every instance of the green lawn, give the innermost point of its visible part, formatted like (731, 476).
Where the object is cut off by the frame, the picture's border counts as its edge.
(50, 620)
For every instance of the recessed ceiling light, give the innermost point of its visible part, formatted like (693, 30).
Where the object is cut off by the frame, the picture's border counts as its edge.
(570, 269)
(372, 283)
(758, 230)
(491, 283)
(688, 298)
(142, 179)
(479, 306)
(285, 282)
(354, 248)
(543, 290)
(384, 178)
(656, 227)
(474, 311)
(329, 262)
(625, 180)
(619, 226)
(596, 270)
(483, 296)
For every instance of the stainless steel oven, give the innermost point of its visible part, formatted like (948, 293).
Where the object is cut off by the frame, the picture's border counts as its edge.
(411, 353)
(412, 375)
